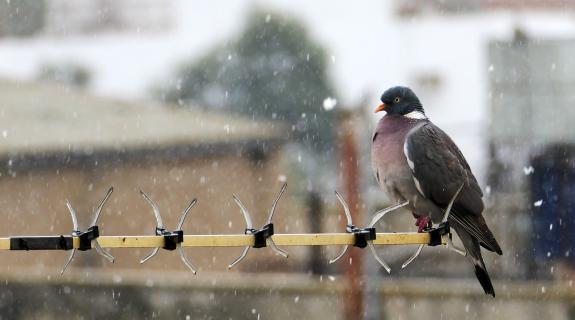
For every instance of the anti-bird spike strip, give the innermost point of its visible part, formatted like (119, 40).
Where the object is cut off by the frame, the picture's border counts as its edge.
(171, 240)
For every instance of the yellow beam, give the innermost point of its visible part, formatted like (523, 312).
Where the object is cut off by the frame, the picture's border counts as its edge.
(240, 240)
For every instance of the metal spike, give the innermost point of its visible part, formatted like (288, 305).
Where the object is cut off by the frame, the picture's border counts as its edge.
(70, 257)
(240, 258)
(452, 247)
(379, 215)
(448, 209)
(339, 255)
(150, 255)
(185, 260)
(100, 206)
(378, 258)
(73, 214)
(277, 249)
(273, 208)
(159, 223)
(349, 223)
(345, 208)
(245, 212)
(444, 219)
(273, 245)
(185, 214)
(155, 209)
(415, 255)
(102, 252)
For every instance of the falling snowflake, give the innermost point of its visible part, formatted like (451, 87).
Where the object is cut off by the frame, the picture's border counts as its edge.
(528, 170)
(538, 203)
(329, 103)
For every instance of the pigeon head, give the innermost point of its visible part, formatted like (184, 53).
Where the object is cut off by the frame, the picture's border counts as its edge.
(399, 100)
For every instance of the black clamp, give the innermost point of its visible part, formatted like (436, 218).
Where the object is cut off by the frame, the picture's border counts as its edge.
(436, 234)
(261, 235)
(362, 235)
(171, 238)
(86, 237)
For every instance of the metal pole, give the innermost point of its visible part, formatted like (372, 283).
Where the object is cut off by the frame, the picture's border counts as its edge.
(350, 179)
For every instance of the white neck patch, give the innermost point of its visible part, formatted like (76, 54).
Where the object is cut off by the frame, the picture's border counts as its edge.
(415, 115)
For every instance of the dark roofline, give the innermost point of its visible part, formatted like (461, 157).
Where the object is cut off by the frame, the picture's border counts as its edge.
(252, 149)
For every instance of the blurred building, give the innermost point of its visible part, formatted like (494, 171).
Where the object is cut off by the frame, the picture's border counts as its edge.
(58, 144)
(531, 144)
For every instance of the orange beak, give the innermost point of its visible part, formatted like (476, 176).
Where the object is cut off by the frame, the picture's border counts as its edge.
(379, 108)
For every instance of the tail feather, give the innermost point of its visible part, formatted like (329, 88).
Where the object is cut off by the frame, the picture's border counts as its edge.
(484, 280)
(472, 247)
(478, 228)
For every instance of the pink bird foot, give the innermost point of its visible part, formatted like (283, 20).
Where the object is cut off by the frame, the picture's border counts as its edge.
(423, 222)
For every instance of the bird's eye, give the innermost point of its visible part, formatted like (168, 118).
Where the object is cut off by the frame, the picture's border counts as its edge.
(396, 100)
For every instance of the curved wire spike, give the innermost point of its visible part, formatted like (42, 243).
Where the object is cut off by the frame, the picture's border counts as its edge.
(159, 223)
(339, 255)
(103, 252)
(185, 214)
(100, 206)
(73, 214)
(185, 260)
(452, 247)
(277, 249)
(155, 209)
(379, 215)
(150, 255)
(273, 245)
(349, 222)
(70, 257)
(245, 212)
(273, 208)
(449, 243)
(448, 209)
(415, 255)
(249, 225)
(240, 258)
(378, 258)
(345, 208)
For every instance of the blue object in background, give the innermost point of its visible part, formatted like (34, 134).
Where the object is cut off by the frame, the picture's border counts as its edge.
(553, 183)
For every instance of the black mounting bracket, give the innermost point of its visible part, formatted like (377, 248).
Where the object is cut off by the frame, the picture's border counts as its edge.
(171, 238)
(261, 235)
(362, 235)
(435, 234)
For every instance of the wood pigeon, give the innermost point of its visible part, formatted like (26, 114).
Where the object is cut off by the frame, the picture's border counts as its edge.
(416, 161)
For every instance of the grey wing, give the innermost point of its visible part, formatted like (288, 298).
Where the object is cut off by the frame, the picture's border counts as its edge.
(439, 169)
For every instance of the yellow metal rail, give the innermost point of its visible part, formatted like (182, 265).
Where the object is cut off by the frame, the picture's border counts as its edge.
(242, 240)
